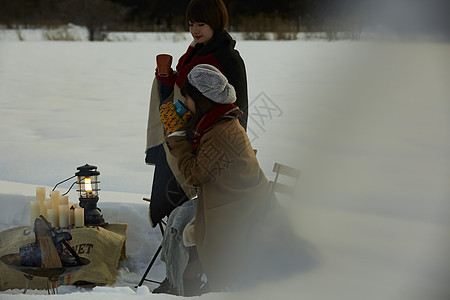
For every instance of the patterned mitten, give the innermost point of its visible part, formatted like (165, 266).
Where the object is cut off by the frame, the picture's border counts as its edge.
(171, 120)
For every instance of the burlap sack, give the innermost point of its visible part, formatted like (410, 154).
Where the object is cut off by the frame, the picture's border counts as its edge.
(103, 246)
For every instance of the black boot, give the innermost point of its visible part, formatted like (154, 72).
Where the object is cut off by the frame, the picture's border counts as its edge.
(163, 288)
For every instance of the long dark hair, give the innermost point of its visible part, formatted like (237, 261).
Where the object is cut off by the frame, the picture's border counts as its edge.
(202, 104)
(212, 12)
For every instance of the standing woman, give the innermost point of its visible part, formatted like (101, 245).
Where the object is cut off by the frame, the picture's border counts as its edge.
(212, 45)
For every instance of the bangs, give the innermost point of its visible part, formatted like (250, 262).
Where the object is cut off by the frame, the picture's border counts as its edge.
(197, 13)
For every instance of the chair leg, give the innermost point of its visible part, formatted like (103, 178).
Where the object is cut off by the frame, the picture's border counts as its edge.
(144, 277)
(149, 267)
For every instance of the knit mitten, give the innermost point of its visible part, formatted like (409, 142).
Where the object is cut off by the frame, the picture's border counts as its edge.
(171, 120)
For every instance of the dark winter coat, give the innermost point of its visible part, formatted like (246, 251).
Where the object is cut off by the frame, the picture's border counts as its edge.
(220, 53)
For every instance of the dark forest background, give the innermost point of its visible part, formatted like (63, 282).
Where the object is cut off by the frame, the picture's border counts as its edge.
(282, 17)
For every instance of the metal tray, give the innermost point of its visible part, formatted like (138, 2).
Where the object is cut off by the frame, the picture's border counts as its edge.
(13, 261)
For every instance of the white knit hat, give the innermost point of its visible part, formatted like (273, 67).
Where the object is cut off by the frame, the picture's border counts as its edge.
(212, 84)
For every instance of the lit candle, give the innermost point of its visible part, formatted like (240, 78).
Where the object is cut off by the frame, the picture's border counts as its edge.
(54, 197)
(43, 209)
(35, 211)
(40, 198)
(52, 217)
(64, 200)
(79, 217)
(63, 216)
(40, 193)
(48, 204)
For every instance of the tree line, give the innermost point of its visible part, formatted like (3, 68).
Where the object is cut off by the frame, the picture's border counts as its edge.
(287, 16)
(168, 15)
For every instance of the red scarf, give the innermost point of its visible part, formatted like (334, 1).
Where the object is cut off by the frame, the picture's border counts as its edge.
(212, 117)
(184, 67)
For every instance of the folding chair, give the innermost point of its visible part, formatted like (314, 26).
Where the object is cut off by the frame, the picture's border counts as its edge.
(277, 187)
(289, 175)
(155, 256)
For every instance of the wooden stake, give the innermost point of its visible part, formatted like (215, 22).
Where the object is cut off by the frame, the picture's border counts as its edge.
(49, 254)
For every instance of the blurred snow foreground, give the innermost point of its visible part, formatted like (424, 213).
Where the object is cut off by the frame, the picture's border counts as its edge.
(366, 122)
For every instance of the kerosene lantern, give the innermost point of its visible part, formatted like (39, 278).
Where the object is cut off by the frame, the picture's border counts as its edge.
(87, 180)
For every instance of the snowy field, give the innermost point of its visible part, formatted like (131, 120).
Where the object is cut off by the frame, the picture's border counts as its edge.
(368, 124)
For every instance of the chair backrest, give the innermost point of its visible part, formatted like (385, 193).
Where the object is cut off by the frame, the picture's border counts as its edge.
(282, 188)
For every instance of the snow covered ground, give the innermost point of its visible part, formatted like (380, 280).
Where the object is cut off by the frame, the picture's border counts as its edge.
(367, 123)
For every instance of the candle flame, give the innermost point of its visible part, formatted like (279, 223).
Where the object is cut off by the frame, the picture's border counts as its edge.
(87, 185)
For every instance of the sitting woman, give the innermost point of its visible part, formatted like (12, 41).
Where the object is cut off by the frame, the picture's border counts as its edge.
(215, 155)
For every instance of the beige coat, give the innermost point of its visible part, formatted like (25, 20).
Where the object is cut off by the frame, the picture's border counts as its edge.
(233, 194)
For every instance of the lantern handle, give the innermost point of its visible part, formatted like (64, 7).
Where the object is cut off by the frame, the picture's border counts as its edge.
(73, 183)
(63, 182)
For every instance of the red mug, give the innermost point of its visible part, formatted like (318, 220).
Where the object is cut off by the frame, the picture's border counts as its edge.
(164, 64)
